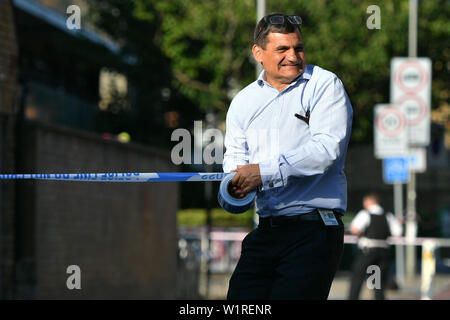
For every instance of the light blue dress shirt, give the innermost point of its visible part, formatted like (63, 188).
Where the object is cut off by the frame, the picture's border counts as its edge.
(301, 165)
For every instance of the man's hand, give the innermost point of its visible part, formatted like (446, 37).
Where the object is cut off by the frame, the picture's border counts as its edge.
(247, 178)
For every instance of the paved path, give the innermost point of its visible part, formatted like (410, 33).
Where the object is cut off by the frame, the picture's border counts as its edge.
(341, 283)
(411, 290)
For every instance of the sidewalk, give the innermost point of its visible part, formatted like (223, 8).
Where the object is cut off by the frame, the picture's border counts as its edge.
(411, 290)
(340, 287)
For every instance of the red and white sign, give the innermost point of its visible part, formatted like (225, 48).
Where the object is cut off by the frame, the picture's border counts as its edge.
(411, 89)
(390, 131)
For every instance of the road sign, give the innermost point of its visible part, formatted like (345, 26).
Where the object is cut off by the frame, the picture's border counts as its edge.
(417, 159)
(395, 170)
(411, 89)
(390, 131)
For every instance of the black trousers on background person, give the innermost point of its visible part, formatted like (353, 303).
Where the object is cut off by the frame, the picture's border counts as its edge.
(374, 256)
(293, 261)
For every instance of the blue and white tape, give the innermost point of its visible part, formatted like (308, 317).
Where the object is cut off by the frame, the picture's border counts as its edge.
(226, 201)
(120, 177)
(230, 203)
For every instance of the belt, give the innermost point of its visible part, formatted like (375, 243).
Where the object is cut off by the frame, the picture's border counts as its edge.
(277, 221)
(368, 243)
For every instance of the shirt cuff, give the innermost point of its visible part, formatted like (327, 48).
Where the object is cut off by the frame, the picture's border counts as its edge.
(270, 174)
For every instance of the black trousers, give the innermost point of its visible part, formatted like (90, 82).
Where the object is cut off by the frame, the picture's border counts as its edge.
(295, 261)
(376, 256)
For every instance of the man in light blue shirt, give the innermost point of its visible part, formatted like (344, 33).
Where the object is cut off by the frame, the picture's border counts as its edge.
(287, 135)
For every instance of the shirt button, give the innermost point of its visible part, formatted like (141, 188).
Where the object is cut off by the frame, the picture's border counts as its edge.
(271, 184)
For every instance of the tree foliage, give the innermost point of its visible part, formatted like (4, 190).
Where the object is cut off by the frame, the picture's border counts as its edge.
(208, 46)
(208, 43)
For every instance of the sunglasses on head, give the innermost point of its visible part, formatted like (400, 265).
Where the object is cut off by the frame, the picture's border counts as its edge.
(279, 19)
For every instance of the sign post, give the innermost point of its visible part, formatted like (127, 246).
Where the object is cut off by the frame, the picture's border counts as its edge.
(411, 90)
(391, 145)
(391, 136)
(396, 172)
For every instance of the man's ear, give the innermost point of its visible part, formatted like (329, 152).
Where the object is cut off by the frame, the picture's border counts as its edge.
(257, 53)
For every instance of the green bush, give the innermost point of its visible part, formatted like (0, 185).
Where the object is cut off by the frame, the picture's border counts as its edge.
(219, 218)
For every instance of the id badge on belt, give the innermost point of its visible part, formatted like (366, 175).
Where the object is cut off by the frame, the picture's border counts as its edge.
(328, 217)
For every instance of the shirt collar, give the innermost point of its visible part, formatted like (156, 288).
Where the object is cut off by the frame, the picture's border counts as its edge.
(305, 75)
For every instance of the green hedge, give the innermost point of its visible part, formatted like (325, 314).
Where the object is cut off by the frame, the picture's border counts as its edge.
(219, 218)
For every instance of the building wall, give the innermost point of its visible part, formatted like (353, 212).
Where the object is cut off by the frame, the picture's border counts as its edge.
(8, 58)
(121, 235)
(365, 174)
(7, 208)
(8, 94)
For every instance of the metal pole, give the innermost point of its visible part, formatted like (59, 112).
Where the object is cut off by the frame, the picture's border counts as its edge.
(210, 123)
(260, 13)
(208, 197)
(411, 227)
(399, 252)
(412, 29)
(411, 223)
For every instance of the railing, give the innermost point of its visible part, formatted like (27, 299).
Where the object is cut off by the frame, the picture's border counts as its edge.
(429, 246)
(223, 263)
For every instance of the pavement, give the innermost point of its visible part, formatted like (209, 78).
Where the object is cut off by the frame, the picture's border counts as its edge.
(440, 289)
(339, 289)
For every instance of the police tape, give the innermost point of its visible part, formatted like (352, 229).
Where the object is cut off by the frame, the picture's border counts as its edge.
(226, 200)
(120, 177)
(231, 203)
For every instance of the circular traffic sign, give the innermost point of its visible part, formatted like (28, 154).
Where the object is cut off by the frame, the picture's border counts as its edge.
(391, 121)
(411, 77)
(416, 108)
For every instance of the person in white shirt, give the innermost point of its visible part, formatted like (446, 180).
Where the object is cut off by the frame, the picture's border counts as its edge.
(287, 136)
(373, 226)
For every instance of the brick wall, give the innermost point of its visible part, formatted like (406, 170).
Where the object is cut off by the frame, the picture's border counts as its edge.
(122, 235)
(7, 207)
(8, 58)
(8, 91)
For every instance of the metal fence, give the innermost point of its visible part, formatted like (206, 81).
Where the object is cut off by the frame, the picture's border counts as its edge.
(198, 262)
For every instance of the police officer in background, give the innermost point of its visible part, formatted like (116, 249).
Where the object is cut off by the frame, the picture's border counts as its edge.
(373, 226)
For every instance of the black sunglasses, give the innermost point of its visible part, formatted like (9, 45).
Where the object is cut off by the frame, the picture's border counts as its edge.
(279, 19)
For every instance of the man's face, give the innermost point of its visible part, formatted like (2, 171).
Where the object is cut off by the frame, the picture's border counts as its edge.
(283, 58)
(368, 202)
